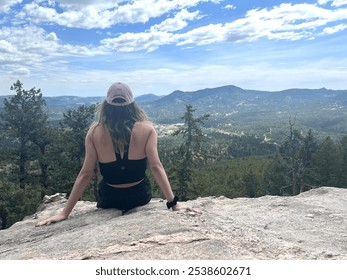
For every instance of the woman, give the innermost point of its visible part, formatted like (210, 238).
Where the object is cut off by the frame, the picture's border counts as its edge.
(121, 142)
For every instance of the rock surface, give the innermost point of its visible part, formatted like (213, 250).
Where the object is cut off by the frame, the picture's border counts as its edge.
(312, 225)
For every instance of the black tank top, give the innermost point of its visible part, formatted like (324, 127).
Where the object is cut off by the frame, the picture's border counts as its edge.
(123, 170)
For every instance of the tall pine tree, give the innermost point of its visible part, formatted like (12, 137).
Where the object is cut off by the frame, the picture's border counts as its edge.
(191, 150)
(24, 122)
(23, 127)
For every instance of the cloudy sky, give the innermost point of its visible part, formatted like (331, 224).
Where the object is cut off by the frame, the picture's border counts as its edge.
(80, 47)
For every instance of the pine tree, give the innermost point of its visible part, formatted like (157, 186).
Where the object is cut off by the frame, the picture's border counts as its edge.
(77, 122)
(24, 122)
(24, 141)
(343, 170)
(296, 154)
(191, 151)
(250, 183)
(306, 173)
(327, 162)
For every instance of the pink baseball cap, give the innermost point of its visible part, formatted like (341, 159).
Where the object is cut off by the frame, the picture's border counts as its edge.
(119, 94)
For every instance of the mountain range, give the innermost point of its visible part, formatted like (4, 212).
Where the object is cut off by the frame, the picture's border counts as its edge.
(233, 108)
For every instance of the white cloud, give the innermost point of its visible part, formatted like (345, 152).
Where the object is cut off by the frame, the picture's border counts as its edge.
(335, 3)
(88, 17)
(6, 47)
(283, 22)
(212, 33)
(5, 5)
(176, 23)
(21, 71)
(101, 14)
(334, 29)
(30, 45)
(338, 3)
(131, 42)
(34, 54)
(52, 37)
(158, 35)
(230, 6)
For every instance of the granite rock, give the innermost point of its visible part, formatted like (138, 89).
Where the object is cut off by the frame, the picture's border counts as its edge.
(310, 226)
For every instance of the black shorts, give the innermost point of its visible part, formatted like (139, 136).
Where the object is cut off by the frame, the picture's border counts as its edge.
(124, 198)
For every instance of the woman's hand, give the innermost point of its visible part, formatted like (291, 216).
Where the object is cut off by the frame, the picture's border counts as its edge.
(57, 218)
(180, 207)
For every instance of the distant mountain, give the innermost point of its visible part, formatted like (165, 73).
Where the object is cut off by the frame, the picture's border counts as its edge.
(71, 101)
(147, 98)
(64, 102)
(194, 96)
(232, 96)
(232, 108)
(75, 101)
(56, 106)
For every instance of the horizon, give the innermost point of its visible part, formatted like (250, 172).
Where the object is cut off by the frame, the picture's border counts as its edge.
(184, 91)
(190, 91)
(69, 48)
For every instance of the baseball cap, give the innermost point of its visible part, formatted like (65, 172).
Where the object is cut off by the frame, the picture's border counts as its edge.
(119, 94)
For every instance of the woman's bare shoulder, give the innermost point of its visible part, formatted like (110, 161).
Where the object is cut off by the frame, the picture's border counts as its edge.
(146, 125)
(96, 129)
(94, 126)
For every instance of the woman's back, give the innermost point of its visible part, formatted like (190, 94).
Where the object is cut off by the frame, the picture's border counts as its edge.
(104, 146)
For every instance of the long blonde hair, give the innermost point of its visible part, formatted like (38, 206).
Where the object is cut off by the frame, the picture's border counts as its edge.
(119, 121)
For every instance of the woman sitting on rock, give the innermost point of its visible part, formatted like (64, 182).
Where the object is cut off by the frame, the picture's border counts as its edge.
(122, 142)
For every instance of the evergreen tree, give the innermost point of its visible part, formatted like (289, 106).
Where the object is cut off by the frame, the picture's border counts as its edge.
(16, 202)
(191, 151)
(77, 122)
(290, 157)
(23, 139)
(24, 122)
(343, 169)
(276, 178)
(327, 163)
(307, 176)
(250, 183)
(296, 154)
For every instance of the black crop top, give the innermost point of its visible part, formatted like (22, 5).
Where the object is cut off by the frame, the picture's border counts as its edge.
(123, 170)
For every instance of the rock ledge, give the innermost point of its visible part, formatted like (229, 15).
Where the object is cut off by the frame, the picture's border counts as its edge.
(312, 225)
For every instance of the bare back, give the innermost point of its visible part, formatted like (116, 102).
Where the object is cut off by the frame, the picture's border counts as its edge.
(137, 147)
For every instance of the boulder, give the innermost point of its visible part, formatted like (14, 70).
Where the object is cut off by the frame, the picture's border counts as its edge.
(309, 226)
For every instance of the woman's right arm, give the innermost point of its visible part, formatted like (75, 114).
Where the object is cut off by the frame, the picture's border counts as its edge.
(81, 182)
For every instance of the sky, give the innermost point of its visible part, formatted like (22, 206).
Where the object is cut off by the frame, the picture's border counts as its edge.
(81, 47)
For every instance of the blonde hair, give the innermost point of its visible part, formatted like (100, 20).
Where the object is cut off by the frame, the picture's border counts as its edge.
(119, 121)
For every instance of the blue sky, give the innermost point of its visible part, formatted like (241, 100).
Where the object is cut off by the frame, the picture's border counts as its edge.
(76, 47)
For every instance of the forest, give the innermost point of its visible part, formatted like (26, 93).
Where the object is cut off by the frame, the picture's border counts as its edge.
(39, 157)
